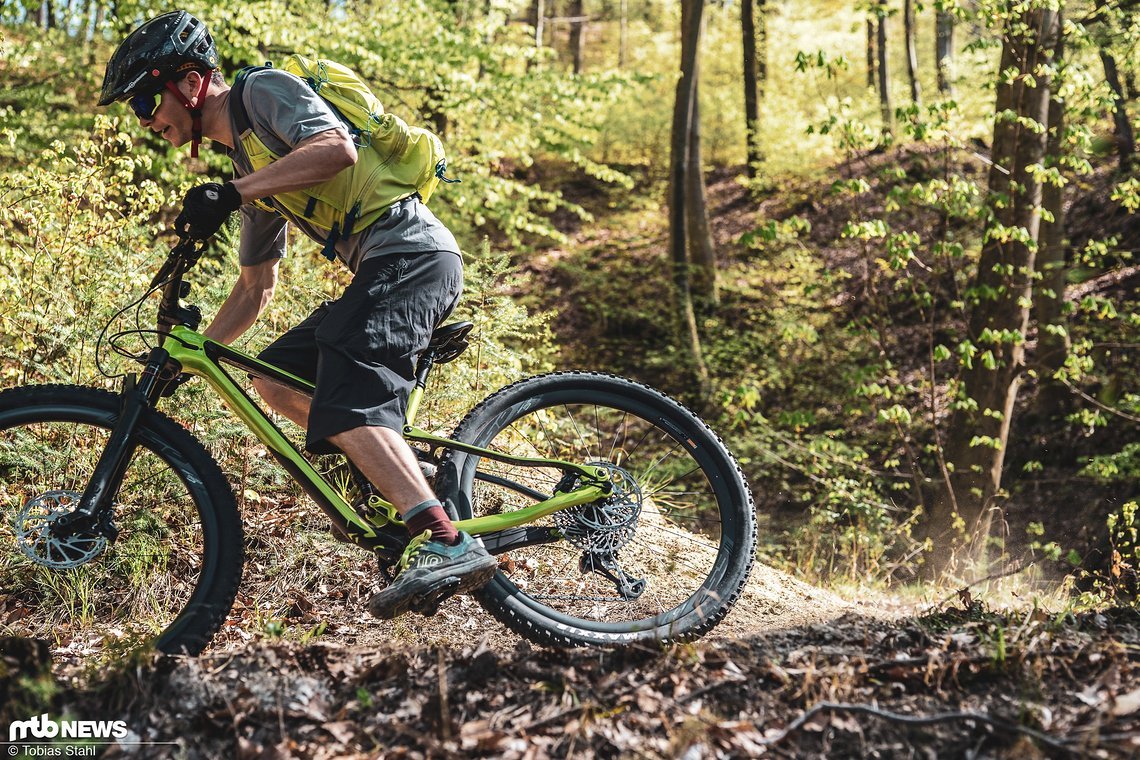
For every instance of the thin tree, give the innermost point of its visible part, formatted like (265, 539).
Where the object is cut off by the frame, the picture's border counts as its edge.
(885, 108)
(943, 48)
(47, 15)
(538, 21)
(692, 13)
(1001, 293)
(623, 34)
(753, 28)
(870, 51)
(702, 250)
(94, 24)
(911, 52)
(577, 35)
(1049, 296)
(1125, 139)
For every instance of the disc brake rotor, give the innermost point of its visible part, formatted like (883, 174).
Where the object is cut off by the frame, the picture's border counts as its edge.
(35, 539)
(604, 526)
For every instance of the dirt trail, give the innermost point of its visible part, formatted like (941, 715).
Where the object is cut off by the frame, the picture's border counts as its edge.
(772, 601)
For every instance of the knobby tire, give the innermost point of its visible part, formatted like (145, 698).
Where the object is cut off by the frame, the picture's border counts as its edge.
(694, 538)
(171, 576)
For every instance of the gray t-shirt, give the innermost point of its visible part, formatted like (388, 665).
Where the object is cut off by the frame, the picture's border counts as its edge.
(283, 112)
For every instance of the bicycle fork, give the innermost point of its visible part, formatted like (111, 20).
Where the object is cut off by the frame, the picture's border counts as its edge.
(139, 393)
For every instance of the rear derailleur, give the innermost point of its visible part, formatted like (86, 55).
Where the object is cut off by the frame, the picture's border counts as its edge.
(605, 564)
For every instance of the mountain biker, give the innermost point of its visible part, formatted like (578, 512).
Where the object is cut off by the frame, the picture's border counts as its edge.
(359, 350)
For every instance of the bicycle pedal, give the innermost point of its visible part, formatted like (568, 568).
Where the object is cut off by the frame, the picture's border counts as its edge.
(427, 603)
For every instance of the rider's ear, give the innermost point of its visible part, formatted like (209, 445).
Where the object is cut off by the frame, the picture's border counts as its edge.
(189, 86)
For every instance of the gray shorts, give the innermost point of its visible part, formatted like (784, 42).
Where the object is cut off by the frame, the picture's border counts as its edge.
(361, 349)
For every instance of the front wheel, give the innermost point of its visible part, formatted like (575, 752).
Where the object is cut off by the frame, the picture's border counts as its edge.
(170, 575)
(662, 559)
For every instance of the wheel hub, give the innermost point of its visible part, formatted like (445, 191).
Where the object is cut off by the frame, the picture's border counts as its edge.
(604, 526)
(37, 541)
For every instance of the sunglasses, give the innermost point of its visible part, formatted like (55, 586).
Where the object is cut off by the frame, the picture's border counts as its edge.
(144, 106)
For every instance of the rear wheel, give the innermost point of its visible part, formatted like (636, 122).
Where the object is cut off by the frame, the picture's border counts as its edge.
(171, 574)
(664, 558)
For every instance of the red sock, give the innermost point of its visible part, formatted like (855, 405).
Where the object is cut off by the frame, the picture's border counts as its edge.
(430, 515)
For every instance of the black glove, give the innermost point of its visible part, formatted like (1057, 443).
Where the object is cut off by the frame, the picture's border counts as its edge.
(206, 208)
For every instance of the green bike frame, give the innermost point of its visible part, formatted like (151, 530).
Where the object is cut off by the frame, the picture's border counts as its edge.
(200, 356)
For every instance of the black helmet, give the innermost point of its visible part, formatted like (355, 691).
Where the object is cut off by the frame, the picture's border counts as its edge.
(157, 52)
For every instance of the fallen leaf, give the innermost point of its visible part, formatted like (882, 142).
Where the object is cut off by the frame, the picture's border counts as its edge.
(1126, 704)
(343, 731)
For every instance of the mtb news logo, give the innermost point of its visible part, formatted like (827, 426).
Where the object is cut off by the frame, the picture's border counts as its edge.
(44, 727)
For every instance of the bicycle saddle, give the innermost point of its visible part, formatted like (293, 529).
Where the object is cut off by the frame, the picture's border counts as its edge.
(449, 341)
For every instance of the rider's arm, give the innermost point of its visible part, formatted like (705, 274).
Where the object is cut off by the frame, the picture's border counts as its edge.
(249, 297)
(312, 161)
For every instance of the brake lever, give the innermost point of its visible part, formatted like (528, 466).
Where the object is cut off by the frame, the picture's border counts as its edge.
(165, 271)
(186, 250)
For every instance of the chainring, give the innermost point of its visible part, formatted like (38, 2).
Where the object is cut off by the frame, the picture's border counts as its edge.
(35, 539)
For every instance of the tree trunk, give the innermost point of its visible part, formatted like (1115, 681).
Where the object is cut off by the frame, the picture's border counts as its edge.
(1048, 297)
(870, 52)
(93, 24)
(692, 12)
(623, 34)
(488, 35)
(761, 19)
(885, 108)
(1125, 141)
(977, 439)
(911, 53)
(944, 49)
(701, 248)
(538, 20)
(751, 85)
(577, 38)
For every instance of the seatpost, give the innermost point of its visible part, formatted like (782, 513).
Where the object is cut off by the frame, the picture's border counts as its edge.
(423, 369)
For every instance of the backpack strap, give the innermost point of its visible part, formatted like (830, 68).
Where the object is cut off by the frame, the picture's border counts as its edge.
(237, 96)
(241, 115)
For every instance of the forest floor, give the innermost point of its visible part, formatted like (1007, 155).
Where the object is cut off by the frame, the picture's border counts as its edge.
(809, 676)
(794, 671)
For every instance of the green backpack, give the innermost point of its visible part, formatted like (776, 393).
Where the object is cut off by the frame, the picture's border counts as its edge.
(395, 160)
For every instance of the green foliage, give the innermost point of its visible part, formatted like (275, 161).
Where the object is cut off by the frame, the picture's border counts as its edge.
(851, 529)
(498, 107)
(1118, 582)
(1127, 194)
(1121, 467)
(508, 343)
(921, 246)
(71, 201)
(1050, 550)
